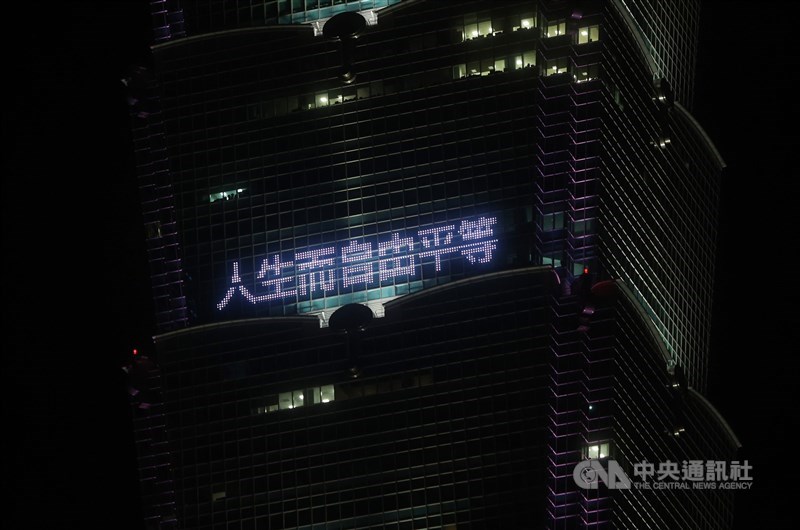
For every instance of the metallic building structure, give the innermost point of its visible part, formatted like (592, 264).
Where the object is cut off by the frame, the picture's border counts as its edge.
(516, 194)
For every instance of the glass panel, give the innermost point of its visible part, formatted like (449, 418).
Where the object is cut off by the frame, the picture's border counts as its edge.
(498, 24)
(517, 61)
(553, 221)
(322, 99)
(556, 66)
(348, 94)
(593, 451)
(487, 65)
(285, 400)
(526, 23)
(556, 28)
(485, 27)
(326, 393)
(529, 58)
(499, 65)
(603, 451)
(471, 31)
(459, 71)
(298, 398)
(588, 34)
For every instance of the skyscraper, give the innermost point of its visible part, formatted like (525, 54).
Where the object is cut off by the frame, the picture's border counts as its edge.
(516, 194)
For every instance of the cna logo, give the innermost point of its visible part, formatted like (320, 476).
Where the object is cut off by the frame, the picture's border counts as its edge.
(588, 474)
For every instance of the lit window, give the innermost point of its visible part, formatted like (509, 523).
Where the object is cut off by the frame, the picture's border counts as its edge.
(326, 393)
(459, 71)
(556, 66)
(588, 34)
(529, 58)
(586, 73)
(474, 28)
(322, 99)
(597, 450)
(556, 28)
(285, 401)
(487, 66)
(527, 21)
(518, 62)
(217, 496)
(499, 65)
(225, 195)
(298, 398)
(471, 31)
(348, 94)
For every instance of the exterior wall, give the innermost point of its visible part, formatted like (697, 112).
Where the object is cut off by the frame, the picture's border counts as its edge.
(671, 31)
(660, 199)
(472, 401)
(445, 424)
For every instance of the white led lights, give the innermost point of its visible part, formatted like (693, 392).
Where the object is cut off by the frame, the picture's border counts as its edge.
(315, 271)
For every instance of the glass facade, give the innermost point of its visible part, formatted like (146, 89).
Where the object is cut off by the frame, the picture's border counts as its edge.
(670, 32)
(486, 166)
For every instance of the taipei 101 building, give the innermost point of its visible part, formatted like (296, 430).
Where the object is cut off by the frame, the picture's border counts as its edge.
(414, 263)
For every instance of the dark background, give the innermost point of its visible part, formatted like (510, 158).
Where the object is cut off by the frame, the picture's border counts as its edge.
(76, 298)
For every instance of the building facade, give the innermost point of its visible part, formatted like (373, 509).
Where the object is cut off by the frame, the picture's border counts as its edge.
(514, 191)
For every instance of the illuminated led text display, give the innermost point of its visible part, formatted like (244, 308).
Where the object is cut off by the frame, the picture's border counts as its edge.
(357, 263)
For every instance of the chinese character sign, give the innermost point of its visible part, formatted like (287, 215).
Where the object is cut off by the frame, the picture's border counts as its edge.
(360, 264)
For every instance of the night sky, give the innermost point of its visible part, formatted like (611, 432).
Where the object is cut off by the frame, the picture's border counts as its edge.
(76, 296)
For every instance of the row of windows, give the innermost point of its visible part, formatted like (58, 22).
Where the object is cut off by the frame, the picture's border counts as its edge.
(474, 27)
(586, 34)
(354, 389)
(556, 221)
(298, 398)
(490, 65)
